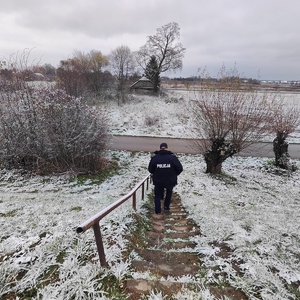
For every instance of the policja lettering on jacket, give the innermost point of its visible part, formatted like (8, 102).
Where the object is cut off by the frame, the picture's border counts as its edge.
(163, 166)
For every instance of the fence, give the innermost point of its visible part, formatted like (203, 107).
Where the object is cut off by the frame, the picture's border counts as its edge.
(94, 221)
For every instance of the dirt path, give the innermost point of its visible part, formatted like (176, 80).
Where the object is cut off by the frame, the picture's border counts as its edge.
(167, 253)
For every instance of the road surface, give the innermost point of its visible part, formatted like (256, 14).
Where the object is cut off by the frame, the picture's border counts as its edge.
(150, 144)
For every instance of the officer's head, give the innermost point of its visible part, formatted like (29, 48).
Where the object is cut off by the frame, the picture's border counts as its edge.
(163, 146)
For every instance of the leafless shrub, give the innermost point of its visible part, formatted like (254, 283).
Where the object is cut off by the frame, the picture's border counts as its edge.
(285, 116)
(44, 129)
(228, 117)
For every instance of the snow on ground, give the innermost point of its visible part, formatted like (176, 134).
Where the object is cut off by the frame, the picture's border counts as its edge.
(170, 116)
(252, 211)
(165, 116)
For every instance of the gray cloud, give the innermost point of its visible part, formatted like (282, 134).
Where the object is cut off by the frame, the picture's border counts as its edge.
(259, 36)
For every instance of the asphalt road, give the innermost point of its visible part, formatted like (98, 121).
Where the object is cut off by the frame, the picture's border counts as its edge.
(150, 144)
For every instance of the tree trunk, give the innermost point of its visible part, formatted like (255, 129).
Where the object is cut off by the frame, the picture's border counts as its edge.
(156, 83)
(213, 167)
(219, 152)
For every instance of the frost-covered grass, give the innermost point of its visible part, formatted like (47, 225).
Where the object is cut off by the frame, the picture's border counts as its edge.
(251, 212)
(41, 255)
(170, 115)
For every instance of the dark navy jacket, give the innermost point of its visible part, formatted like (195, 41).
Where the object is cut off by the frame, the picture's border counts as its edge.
(165, 167)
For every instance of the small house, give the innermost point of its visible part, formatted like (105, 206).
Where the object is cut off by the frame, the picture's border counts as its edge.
(143, 86)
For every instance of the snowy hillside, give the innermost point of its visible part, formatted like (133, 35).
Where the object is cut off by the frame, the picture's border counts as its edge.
(252, 211)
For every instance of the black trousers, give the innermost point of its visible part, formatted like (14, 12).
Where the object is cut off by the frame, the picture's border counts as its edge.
(159, 190)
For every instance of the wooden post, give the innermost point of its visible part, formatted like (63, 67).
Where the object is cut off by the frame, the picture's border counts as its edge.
(134, 200)
(143, 191)
(99, 243)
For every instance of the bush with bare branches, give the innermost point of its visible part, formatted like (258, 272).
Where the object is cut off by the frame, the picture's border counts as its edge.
(285, 117)
(44, 129)
(229, 117)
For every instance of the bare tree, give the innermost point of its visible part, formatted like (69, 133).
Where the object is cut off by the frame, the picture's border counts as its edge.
(164, 46)
(122, 63)
(83, 73)
(285, 117)
(228, 116)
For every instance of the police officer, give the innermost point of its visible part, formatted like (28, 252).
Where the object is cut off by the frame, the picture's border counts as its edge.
(165, 167)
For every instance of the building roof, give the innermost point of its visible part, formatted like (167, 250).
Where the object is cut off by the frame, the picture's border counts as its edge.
(143, 83)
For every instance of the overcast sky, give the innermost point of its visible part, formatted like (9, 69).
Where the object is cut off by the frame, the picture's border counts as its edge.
(262, 37)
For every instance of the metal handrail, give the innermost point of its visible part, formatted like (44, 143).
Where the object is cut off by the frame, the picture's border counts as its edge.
(94, 221)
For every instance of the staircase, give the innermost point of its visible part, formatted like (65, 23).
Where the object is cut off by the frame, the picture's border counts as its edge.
(166, 255)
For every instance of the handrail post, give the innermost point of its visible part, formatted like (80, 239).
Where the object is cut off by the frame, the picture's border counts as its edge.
(99, 243)
(143, 190)
(134, 200)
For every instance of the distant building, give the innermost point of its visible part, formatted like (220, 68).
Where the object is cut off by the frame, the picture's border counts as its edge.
(143, 86)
